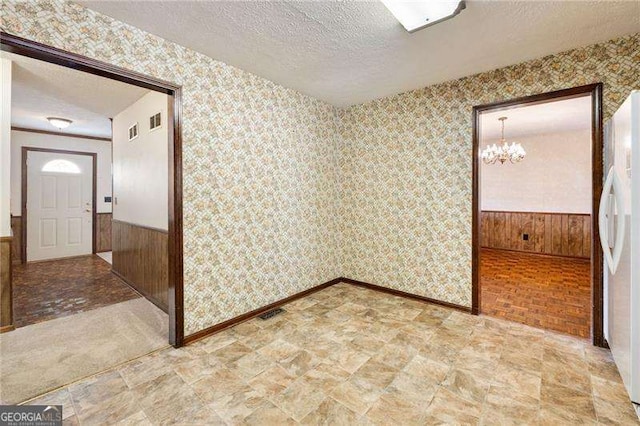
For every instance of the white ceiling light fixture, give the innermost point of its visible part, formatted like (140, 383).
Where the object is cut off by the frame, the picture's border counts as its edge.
(418, 14)
(60, 123)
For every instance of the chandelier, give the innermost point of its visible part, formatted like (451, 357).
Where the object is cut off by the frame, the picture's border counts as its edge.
(514, 152)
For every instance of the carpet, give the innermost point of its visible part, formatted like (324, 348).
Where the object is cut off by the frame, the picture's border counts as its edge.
(40, 357)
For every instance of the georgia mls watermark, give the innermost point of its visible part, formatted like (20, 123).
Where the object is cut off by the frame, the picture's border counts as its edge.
(30, 415)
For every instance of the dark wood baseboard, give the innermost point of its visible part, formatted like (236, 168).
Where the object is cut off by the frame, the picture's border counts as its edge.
(7, 328)
(533, 253)
(405, 294)
(141, 291)
(249, 315)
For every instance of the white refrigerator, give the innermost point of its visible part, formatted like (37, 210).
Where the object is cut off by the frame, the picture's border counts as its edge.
(619, 225)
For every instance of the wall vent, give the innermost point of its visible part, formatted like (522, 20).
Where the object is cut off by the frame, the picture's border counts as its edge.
(271, 313)
(154, 121)
(133, 132)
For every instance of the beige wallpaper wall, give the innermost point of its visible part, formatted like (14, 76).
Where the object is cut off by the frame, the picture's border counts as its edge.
(283, 192)
(260, 194)
(405, 166)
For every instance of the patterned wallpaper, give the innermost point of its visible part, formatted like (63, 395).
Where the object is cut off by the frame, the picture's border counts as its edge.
(260, 176)
(405, 166)
(283, 192)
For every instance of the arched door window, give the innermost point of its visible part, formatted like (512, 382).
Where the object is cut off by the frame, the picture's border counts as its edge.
(61, 166)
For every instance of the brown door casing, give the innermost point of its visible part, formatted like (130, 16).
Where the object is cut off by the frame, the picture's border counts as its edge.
(595, 91)
(31, 49)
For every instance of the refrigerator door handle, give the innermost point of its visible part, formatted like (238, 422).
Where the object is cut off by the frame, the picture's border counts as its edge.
(603, 219)
(618, 245)
(612, 184)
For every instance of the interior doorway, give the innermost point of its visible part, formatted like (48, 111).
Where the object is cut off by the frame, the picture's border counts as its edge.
(527, 255)
(173, 124)
(108, 180)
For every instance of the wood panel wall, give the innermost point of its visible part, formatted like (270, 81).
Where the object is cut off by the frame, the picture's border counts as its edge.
(103, 232)
(560, 234)
(16, 250)
(140, 257)
(6, 302)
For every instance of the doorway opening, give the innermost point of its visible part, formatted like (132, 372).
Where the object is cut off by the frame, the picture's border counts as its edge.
(535, 254)
(96, 217)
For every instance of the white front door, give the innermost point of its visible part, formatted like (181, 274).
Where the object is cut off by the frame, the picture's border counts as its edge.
(59, 205)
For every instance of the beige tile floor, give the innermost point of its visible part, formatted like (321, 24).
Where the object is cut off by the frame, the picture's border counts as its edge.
(348, 355)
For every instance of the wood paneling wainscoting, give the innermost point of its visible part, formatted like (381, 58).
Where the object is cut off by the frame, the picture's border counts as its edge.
(16, 250)
(559, 234)
(140, 257)
(103, 232)
(6, 297)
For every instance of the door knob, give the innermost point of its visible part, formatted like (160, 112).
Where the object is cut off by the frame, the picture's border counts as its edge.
(87, 210)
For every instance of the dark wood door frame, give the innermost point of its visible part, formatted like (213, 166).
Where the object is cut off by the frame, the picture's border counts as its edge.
(595, 91)
(24, 47)
(25, 188)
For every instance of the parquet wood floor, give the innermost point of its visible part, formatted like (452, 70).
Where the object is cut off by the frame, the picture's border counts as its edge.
(548, 292)
(43, 291)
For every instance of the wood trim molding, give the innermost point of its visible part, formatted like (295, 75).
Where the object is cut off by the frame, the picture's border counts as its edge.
(66, 135)
(6, 284)
(401, 293)
(597, 257)
(532, 212)
(595, 92)
(249, 315)
(175, 260)
(533, 253)
(35, 50)
(150, 228)
(24, 189)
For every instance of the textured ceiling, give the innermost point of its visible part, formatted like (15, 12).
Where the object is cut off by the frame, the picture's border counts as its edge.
(552, 117)
(350, 52)
(40, 90)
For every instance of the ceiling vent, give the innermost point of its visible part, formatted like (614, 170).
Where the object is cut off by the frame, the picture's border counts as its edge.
(154, 121)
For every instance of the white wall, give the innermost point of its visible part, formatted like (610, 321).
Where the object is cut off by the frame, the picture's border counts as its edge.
(555, 176)
(5, 147)
(38, 140)
(140, 166)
